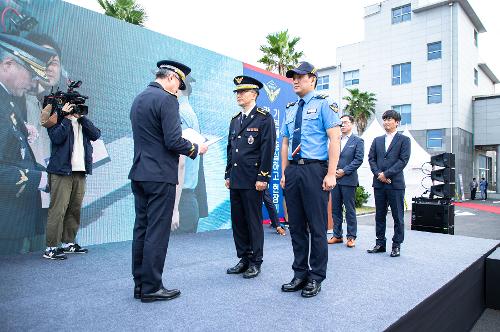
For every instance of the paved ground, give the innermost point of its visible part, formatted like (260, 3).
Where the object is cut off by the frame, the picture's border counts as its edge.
(471, 219)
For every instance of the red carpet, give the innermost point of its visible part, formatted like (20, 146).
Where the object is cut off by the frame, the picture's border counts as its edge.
(482, 207)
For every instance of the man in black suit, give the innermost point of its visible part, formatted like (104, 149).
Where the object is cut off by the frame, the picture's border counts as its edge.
(250, 151)
(388, 156)
(352, 149)
(21, 178)
(156, 128)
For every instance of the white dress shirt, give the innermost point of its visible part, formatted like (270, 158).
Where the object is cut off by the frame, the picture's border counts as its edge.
(388, 139)
(343, 141)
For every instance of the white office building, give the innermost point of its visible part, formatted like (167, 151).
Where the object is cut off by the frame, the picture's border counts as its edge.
(421, 58)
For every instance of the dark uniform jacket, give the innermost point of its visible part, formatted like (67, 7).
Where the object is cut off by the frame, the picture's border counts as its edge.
(250, 149)
(351, 157)
(62, 138)
(20, 175)
(157, 133)
(391, 162)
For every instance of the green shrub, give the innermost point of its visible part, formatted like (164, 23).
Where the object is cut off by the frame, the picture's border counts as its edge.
(361, 196)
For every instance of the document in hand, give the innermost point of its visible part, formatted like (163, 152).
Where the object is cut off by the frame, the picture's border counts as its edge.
(193, 136)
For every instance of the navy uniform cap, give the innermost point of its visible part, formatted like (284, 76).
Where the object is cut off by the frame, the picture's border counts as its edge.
(178, 68)
(246, 83)
(302, 69)
(31, 55)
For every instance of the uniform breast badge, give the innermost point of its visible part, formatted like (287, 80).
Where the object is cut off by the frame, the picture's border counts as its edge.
(250, 139)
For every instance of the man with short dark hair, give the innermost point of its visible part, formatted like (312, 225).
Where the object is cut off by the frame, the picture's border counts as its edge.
(388, 156)
(309, 157)
(344, 194)
(158, 141)
(250, 150)
(473, 188)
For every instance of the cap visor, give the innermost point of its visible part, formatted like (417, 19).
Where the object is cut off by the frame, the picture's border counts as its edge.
(290, 73)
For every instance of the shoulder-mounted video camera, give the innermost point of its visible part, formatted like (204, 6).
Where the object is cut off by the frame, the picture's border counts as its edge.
(59, 98)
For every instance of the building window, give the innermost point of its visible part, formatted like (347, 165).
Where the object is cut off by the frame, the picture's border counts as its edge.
(405, 111)
(323, 83)
(401, 14)
(435, 139)
(475, 37)
(434, 51)
(476, 77)
(351, 77)
(401, 73)
(434, 94)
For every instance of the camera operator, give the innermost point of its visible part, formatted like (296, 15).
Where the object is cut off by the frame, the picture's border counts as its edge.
(70, 161)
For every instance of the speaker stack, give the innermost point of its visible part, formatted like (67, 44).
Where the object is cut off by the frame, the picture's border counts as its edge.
(436, 214)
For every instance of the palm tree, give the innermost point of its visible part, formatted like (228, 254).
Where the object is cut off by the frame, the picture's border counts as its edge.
(279, 53)
(360, 105)
(126, 10)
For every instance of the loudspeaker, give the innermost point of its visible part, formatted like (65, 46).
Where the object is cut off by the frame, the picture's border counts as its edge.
(445, 190)
(436, 216)
(443, 160)
(445, 175)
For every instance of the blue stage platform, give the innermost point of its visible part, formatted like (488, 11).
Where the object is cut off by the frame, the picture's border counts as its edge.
(435, 285)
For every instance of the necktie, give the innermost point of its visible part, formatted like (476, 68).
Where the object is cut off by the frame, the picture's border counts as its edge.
(243, 118)
(297, 130)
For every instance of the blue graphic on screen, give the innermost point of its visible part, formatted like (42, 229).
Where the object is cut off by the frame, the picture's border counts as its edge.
(274, 96)
(115, 61)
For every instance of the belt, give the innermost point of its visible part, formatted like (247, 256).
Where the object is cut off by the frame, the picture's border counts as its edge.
(304, 161)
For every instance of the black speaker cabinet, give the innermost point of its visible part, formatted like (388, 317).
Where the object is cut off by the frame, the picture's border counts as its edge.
(443, 160)
(436, 216)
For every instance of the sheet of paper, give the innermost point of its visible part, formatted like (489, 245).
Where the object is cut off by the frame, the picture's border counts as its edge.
(213, 140)
(193, 136)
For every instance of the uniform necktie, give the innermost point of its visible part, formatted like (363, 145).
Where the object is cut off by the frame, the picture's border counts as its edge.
(298, 129)
(243, 118)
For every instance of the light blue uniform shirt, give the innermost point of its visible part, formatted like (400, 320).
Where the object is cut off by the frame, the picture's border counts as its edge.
(317, 117)
(189, 120)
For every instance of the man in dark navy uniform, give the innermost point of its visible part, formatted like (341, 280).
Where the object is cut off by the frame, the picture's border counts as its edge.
(388, 156)
(21, 178)
(156, 127)
(250, 151)
(309, 156)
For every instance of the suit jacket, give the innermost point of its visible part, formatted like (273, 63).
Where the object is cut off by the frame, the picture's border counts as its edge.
(351, 158)
(250, 149)
(391, 162)
(156, 127)
(20, 202)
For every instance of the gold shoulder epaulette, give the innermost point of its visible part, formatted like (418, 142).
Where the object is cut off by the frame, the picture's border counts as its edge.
(290, 104)
(234, 116)
(261, 111)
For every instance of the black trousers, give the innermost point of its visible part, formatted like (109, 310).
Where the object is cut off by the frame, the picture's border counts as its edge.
(395, 199)
(154, 205)
(271, 209)
(344, 196)
(246, 218)
(307, 205)
(473, 193)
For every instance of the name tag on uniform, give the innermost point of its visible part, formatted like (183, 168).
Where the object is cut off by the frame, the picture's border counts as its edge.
(311, 111)
(252, 129)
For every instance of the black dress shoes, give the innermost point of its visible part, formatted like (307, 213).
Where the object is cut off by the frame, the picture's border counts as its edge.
(295, 285)
(251, 272)
(137, 292)
(238, 268)
(378, 248)
(395, 252)
(162, 294)
(312, 288)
